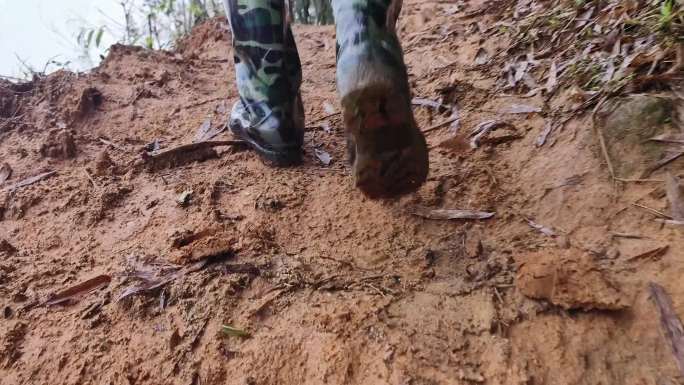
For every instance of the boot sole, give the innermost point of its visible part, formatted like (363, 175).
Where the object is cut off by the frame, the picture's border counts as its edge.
(389, 152)
(281, 158)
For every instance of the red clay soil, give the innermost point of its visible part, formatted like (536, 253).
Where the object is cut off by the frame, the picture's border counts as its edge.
(332, 288)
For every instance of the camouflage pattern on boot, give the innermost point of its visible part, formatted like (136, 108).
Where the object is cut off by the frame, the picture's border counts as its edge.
(269, 114)
(387, 150)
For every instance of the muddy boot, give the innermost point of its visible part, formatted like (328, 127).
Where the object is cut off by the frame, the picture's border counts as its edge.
(387, 150)
(269, 115)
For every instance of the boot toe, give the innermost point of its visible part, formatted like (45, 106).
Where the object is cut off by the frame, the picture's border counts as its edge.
(393, 173)
(277, 138)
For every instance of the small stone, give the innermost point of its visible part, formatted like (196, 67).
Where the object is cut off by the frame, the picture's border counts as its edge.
(184, 198)
(612, 253)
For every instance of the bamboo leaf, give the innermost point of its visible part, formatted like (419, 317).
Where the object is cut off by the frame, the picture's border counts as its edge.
(234, 332)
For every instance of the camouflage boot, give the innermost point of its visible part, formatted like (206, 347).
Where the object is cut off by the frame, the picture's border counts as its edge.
(388, 151)
(269, 115)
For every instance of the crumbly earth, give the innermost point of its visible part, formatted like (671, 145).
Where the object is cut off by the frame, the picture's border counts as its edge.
(333, 288)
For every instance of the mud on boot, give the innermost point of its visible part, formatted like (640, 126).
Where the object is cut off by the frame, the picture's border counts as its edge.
(388, 152)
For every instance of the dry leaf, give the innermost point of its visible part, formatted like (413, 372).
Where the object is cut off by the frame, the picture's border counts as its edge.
(545, 134)
(671, 222)
(520, 71)
(323, 156)
(610, 71)
(651, 254)
(424, 102)
(456, 116)
(5, 172)
(670, 323)
(153, 280)
(444, 214)
(622, 71)
(584, 18)
(78, 290)
(480, 131)
(521, 109)
(441, 124)
(31, 180)
(231, 331)
(482, 57)
(542, 229)
(669, 138)
(552, 80)
(205, 132)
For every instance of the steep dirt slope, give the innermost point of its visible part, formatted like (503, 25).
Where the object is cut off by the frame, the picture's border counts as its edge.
(333, 288)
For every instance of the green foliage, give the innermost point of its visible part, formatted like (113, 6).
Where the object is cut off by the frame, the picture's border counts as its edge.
(158, 24)
(98, 36)
(89, 35)
(666, 15)
(154, 24)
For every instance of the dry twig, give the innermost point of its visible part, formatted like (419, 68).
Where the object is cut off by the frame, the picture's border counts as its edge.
(670, 323)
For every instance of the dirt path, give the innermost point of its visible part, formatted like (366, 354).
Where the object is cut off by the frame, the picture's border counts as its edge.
(333, 288)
